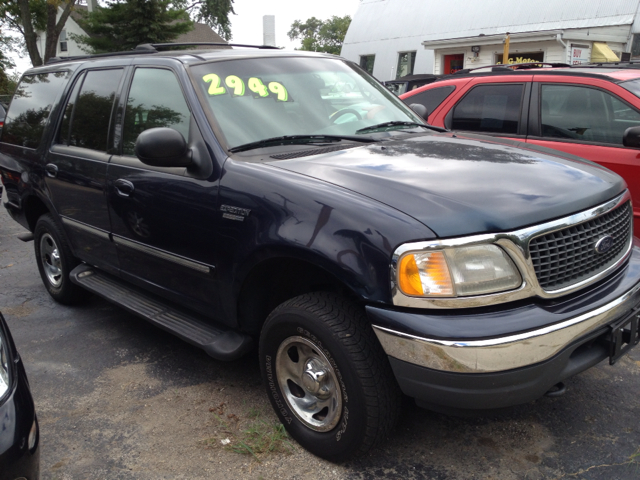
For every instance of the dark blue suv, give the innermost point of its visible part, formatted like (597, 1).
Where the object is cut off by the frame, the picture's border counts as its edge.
(288, 199)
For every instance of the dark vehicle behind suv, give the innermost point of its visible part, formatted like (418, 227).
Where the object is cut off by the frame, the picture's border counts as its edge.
(19, 432)
(288, 198)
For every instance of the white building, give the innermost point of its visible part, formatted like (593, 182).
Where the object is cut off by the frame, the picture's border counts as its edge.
(393, 38)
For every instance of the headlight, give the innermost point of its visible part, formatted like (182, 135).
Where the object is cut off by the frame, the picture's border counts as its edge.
(5, 380)
(461, 272)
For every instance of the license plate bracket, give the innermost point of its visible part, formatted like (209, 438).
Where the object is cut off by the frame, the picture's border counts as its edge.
(624, 335)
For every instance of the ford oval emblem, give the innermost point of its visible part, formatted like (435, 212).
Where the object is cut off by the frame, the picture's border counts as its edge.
(604, 244)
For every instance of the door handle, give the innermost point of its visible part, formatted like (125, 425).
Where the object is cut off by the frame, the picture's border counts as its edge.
(51, 169)
(124, 188)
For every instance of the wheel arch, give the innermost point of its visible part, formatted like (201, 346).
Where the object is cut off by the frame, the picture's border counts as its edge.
(34, 208)
(286, 276)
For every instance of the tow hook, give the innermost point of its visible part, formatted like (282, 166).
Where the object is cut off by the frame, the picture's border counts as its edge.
(557, 390)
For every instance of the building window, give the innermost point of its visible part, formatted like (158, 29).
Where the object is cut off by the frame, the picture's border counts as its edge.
(63, 41)
(366, 62)
(406, 62)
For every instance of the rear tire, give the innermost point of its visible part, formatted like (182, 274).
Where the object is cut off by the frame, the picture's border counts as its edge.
(55, 262)
(327, 377)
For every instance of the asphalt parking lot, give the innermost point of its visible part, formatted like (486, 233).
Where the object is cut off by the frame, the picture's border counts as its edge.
(120, 399)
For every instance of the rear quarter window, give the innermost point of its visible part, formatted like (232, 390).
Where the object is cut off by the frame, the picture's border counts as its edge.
(431, 98)
(30, 108)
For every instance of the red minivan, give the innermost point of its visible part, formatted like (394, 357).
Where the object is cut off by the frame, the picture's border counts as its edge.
(586, 111)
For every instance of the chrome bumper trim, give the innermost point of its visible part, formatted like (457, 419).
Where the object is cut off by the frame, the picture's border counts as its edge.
(502, 353)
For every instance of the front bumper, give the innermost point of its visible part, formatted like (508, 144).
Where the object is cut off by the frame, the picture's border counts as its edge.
(507, 355)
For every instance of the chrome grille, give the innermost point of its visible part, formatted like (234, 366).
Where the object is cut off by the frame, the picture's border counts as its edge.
(568, 256)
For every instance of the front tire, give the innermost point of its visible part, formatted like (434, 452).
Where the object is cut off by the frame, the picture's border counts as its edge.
(55, 262)
(327, 377)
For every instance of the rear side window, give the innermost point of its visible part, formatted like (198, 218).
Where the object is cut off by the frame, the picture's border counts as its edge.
(87, 115)
(30, 108)
(578, 113)
(490, 109)
(431, 98)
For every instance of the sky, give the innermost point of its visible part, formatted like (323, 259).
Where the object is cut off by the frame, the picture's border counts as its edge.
(246, 25)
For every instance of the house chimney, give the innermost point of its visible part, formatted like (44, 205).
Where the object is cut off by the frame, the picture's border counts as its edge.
(92, 5)
(268, 30)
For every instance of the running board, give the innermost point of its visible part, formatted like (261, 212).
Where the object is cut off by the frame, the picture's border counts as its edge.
(220, 343)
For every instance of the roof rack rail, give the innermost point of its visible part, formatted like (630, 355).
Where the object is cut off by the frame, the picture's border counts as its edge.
(620, 64)
(499, 67)
(135, 51)
(212, 44)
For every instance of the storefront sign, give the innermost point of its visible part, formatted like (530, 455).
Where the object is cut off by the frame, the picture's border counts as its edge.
(521, 58)
(580, 54)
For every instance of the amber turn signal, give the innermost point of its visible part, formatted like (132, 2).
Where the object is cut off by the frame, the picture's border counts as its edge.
(425, 274)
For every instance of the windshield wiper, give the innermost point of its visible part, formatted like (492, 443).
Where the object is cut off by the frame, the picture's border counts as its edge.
(399, 124)
(300, 140)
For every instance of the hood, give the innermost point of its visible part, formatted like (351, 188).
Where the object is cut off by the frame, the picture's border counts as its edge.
(461, 185)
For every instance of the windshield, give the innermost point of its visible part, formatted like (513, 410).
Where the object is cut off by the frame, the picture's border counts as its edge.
(257, 99)
(632, 85)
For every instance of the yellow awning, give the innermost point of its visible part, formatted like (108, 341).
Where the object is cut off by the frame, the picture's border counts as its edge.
(601, 52)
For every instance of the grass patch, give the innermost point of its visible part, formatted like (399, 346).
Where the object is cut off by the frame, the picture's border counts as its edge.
(254, 435)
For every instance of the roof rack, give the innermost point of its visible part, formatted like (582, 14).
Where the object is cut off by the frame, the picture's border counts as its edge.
(512, 66)
(146, 48)
(140, 49)
(629, 64)
(212, 44)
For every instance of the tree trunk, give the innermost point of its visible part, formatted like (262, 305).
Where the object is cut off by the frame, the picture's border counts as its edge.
(30, 37)
(54, 28)
(51, 40)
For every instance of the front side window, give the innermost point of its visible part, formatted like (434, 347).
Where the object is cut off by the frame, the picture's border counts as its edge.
(30, 108)
(366, 62)
(87, 115)
(155, 100)
(584, 114)
(490, 109)
(257, 99)
(406, 62)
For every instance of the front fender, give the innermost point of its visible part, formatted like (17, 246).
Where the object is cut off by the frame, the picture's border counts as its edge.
(281, 213)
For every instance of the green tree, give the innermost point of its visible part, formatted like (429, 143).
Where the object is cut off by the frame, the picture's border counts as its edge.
(321, 36)
(124, 24)
(31, 16)
(214, 13)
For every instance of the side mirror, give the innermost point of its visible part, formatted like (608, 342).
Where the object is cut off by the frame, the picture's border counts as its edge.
(631, 137)
(163, 147)
(420, 110)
